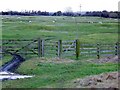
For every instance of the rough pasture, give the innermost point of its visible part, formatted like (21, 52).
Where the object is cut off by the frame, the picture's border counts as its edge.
(65, 28)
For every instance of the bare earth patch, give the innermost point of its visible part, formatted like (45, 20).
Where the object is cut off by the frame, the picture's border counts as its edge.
(106, 60)
(105, 80)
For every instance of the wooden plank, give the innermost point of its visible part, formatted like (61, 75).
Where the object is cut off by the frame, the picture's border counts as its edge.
(70, 41)
(85, 44)
(68, 49)
(68, 45)
(88, 48)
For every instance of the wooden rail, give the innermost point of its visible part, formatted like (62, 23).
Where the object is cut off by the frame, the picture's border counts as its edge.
(73, 48)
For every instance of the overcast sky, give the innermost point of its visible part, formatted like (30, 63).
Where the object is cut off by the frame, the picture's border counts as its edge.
(56, 5)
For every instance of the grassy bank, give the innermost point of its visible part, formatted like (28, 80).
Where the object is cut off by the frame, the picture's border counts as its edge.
(56, 75)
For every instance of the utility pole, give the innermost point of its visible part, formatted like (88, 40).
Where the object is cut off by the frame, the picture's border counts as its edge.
(77, 28)
(80, 9)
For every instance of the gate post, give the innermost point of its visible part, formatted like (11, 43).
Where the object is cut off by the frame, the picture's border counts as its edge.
(98, 50)
(59, 48)
(39, 47)
(77, 51)
(42, 48)
(116, 48)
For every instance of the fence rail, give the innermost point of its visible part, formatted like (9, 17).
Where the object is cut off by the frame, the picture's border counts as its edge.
(48, 48)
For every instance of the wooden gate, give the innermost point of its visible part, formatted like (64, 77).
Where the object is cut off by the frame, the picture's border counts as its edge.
(24, 47)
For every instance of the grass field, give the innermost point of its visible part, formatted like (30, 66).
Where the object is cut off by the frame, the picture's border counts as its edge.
(64, 28)
(51, 74)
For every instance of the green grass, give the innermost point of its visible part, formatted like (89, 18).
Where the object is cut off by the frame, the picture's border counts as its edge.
(5, 59)
(65, 29)
(56, 75)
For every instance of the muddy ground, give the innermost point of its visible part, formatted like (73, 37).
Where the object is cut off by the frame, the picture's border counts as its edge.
(104, 80)
(106, 60)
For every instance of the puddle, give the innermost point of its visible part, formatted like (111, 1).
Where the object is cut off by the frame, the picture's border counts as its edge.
(12, 76)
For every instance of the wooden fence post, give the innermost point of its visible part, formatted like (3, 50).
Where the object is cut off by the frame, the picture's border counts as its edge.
(77, 51)
(42, 48)
(59, 48)
(39, 47)
(116, 49)
(98, 50)
(118, 52)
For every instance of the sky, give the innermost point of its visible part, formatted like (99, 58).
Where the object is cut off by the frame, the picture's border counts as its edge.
(59, 5)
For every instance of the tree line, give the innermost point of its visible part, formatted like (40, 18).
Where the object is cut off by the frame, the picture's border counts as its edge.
(105, 14)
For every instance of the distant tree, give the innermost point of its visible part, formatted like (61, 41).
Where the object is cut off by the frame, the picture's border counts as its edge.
(105, 14)
(113, 15)
(96, 13)
(88, 14)
(58, 13)
(39, 13)
(68, 11)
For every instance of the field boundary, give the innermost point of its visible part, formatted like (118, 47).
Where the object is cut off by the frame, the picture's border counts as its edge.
(60, 48)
